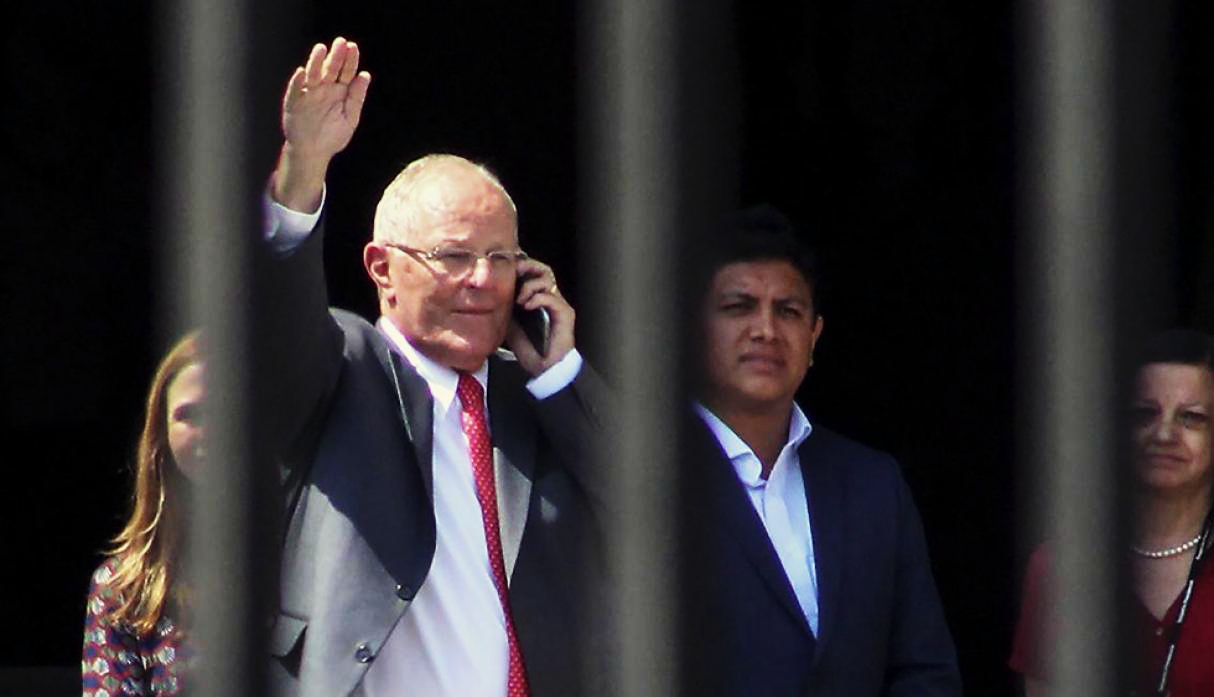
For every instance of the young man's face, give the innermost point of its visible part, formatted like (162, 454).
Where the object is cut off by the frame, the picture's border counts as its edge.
(760, 327)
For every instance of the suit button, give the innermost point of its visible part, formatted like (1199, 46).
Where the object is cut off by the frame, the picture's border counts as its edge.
(404, 592)
(362, 654)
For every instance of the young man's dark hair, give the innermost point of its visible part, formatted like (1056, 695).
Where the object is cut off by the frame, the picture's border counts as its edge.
(759, 233)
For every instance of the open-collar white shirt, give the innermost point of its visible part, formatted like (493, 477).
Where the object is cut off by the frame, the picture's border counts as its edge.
(780, 501)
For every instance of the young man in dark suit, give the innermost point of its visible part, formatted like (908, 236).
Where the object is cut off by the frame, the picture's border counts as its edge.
(807, 569)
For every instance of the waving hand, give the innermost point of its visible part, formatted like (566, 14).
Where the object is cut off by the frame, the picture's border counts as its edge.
(320, 112)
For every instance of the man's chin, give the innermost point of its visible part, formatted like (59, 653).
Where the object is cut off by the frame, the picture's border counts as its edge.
(765, 395)
(470, 352)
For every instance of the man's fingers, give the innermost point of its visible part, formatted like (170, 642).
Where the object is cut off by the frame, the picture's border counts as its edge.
(529, 287)
(332, 65)
(533, 267)
(316, 60)
(357, 95)
(349, 67)
(295, 87)
(533, 277)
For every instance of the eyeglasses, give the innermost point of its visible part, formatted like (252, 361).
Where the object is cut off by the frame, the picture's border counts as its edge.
(457, 261)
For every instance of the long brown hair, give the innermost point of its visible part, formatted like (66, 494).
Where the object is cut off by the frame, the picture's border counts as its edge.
(145, 552)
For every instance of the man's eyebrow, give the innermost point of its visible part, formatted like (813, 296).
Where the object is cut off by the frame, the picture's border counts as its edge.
(737, 295)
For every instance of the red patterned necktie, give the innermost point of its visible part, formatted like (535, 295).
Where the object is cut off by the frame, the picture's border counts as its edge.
(472, 416)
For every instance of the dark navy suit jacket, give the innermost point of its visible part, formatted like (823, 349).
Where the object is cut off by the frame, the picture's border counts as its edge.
(881, 628)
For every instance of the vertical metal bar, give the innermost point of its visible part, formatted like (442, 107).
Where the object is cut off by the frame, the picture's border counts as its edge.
(659, 171)
(1067, 300)
(209, 209)
(1099, 231)
(631, 191)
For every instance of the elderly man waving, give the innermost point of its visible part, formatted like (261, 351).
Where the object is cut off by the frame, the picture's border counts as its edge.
(443, 516)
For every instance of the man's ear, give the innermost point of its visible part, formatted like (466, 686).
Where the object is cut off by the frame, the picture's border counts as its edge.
(813, 341)
(375, 261)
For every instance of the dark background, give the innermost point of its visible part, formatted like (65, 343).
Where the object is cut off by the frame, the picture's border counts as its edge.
(886, 129)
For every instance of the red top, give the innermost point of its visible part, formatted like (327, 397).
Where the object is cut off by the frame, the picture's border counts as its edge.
(1192, 668)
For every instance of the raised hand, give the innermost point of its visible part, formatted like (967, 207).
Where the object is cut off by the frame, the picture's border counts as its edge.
(320, 112)
(325, 99)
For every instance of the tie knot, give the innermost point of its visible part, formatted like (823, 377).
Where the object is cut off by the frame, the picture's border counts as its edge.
(470, 392)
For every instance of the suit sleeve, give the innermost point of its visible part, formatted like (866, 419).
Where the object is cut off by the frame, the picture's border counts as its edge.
(922, 660)
(297, 354)
(577, 420)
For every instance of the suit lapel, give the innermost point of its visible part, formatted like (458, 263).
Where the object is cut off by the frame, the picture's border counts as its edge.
(416, 409)
(513, 431)
(824, 493)
(733, 510)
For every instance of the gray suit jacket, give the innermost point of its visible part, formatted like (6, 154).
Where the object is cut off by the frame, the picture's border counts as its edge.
(353, 431)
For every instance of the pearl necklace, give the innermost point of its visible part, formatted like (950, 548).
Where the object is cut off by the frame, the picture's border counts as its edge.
(1168, 552)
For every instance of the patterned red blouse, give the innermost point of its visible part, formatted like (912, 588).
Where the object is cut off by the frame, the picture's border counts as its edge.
(117, 662)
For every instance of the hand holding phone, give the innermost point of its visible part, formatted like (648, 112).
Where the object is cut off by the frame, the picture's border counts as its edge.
(541, 331)
(535, 325)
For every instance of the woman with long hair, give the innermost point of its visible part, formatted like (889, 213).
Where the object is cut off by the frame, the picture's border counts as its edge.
(132, 643)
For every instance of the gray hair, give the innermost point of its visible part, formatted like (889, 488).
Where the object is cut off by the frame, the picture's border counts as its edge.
(395, 215)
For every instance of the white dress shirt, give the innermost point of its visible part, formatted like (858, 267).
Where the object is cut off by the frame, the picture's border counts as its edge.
(451, 641)
(452, 638)
(780, 500)
(287, 228)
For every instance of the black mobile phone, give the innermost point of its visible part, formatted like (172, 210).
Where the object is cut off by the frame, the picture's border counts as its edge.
(535, 326)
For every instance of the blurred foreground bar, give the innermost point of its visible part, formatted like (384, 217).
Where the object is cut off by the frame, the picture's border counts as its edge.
(211, 217)
(630, 182)
(658, 169)
(1096, 223)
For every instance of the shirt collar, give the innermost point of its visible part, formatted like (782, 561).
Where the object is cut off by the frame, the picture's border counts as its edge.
(743, 459)
(439, 378)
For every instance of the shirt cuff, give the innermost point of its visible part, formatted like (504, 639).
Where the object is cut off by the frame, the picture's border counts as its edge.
(286, 229)
(558, 377)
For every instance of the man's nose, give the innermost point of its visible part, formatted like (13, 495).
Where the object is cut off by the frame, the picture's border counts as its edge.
(481, 272)
(763, 324)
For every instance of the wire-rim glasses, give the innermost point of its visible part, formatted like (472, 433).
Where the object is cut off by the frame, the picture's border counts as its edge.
(458, 261)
